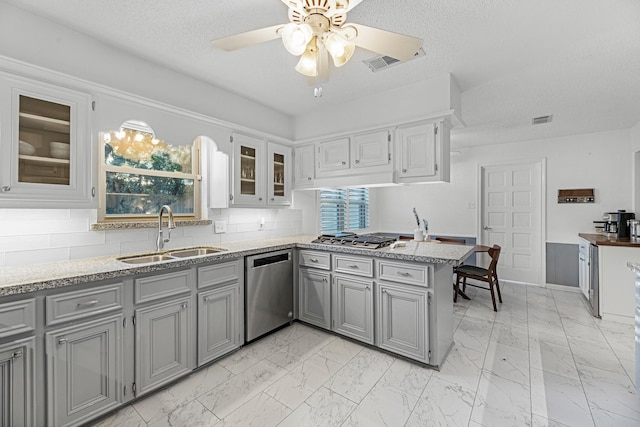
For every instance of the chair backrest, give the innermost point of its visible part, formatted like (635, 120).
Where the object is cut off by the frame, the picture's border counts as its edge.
(494, 253)
(451, 240)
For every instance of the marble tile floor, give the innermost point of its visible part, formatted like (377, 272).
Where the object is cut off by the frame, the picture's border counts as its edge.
(542, 360)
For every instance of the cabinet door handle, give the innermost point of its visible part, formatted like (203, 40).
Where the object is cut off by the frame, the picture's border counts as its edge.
(384, 291)
(308, 178)
(352, 266)
(87, 303)
(272, 199)
(404, 273)
(184, 305)
(259, 199)
(324, 279)
(368, 287)
(357, 161)
(6, 188)
(313, 259)
(17, 354)
(62, 341)
(344, 163)
(404, 171)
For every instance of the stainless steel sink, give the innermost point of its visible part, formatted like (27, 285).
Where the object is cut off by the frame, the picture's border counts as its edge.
(191, 252)
(146, 259)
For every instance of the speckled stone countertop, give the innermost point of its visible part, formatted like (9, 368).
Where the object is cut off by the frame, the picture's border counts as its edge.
(32, 278)
(607, 240)
(635, 267)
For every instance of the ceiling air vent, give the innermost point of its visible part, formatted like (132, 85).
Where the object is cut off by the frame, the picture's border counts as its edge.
(542, 119)
(380, 63)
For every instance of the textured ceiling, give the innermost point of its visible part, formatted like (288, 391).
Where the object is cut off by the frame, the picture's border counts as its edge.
(513, 59)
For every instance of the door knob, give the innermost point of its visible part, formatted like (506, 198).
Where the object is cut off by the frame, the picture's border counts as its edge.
(487, 228)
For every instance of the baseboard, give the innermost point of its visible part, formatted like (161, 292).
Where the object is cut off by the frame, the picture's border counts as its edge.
(545, 285)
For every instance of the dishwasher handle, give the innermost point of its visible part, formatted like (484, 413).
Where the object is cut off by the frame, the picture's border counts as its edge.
(273, 259)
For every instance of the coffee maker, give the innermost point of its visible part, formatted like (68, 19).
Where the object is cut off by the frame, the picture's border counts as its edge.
(617, 222)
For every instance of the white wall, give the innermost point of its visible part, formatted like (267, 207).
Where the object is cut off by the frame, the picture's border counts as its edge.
(38, 41)
(600, 161)
(32, 236)
(408, 103)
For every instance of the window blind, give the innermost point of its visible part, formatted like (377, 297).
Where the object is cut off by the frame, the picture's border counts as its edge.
(344, 209)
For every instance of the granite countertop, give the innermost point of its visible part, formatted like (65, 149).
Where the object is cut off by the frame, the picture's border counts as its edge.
(32, 278)
(635, 267)
(603, 239)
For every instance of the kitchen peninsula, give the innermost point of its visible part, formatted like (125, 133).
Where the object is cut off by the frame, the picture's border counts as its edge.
(615, 280)
(191, 310)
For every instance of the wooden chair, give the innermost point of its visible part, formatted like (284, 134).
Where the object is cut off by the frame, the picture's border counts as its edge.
(453, 241)
(488, 275)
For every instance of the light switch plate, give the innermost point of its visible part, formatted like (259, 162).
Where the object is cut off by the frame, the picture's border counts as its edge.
(219, 227)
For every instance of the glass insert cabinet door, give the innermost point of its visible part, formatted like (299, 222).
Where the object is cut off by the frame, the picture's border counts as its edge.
(279, 174)
(44, 147)
(248, 171)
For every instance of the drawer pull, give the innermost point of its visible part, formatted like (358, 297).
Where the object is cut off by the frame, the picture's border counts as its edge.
(313, 259)
(353, 266)
(404, 273)
(17, 355)
(62, 341)
(87, 303)
(184, 305)
(384, 291)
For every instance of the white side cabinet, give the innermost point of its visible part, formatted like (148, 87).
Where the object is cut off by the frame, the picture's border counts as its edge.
(423, 152)
(304, 166)
(17, 379)
(46, 146)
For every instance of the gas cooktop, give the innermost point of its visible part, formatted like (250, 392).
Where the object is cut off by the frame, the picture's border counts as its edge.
(368, 241)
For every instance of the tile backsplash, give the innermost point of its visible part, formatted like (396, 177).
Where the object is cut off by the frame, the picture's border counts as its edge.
(33, 236)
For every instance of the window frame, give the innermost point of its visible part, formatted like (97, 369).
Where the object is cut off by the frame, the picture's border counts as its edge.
(195, 175)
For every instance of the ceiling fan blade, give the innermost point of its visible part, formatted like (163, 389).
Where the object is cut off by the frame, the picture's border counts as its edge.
(387, 43)
(353, 3)
(238, 41)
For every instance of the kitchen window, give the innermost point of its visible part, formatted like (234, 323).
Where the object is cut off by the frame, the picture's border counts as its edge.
(140, 173)
(344, 209)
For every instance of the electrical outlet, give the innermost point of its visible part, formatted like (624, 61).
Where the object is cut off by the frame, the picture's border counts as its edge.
(220, 227)
(261, 224)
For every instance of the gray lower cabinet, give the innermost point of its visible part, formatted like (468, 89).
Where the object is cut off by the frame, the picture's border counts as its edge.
(352, 305)
(218, 322)
(16, 383)
(84, 370)
(402, 320)
(163, 343)
(315, 297)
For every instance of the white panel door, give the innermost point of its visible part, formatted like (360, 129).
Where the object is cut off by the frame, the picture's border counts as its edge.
(512, 218)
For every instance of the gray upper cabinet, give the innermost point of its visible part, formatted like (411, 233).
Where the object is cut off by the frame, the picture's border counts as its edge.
(315, 297)
(163, 341)
(46, 153)
(84, 370)
(16, 383)
(219, 322)
(402, 320)
(353, 307)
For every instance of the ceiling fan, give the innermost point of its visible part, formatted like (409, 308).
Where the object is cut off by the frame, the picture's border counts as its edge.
(318, 29)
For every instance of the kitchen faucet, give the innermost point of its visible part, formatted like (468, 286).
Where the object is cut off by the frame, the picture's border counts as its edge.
(170, 226)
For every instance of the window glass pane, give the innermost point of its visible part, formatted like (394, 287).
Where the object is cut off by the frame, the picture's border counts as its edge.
(141, 150)
(129, 194)
(344, 209)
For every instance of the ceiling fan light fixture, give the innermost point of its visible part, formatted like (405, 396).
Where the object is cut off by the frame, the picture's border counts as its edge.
(340, 49)
(308, 63)
(296, 37)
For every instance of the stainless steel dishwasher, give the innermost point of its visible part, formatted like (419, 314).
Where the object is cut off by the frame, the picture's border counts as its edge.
(268, 292)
